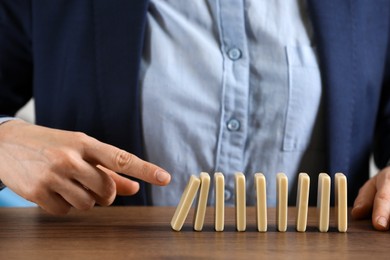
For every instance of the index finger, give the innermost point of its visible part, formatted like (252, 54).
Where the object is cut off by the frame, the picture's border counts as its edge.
(124, 162)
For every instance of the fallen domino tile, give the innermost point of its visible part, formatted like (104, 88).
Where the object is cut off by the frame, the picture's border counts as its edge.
(200, 211)
(240, 201)
(341, 202)
(281, 201)
(302, 201)
(185, 203)
(261, 205)
(219, 186)
(323, 202)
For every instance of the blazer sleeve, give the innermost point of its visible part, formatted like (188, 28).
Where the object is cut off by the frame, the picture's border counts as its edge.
(382, 134)
(16, 66)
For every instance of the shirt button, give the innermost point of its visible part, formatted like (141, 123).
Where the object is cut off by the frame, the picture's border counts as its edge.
(233, 125)
(234, 53)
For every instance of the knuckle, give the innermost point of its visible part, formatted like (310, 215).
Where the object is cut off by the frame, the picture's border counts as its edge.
(110, 189)
(61, 211)
(64, 153)
(86, 204)
(37, 190)
(52, 153)
(80, 136)
(34, 194)
(362, 190)
(106, 201)
(108, 194)
(58, 158)
(63, 161)
(368, 186)
(383, 196)
(144, 171)
(123, 159)
(81, 139)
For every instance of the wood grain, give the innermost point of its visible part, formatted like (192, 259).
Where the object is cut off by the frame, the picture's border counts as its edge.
(145, 232)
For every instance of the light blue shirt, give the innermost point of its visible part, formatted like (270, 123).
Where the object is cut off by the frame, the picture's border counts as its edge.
(229, 86)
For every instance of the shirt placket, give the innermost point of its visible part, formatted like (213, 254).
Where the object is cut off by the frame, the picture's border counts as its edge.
(235, 91)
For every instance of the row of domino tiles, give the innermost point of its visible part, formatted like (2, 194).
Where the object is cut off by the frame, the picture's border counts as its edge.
(202, 183)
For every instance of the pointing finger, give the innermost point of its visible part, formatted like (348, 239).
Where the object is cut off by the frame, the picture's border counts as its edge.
(126, 163)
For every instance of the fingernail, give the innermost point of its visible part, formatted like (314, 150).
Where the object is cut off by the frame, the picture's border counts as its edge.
(382, 221)
(163, 176)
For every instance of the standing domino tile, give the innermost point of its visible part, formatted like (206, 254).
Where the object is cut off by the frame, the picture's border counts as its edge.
(240, 201)
(261, 206)
(185, 203)
(302, 201)
(341, 202)
(281, 201)
(219, 186)
(323, 202)
(202, 201)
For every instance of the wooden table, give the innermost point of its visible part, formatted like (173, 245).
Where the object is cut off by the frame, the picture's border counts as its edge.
(145, 232)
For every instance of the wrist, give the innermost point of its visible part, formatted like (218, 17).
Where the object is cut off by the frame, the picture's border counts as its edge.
(4, 120)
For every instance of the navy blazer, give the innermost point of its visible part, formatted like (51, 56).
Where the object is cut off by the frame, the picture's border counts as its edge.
(79, 59)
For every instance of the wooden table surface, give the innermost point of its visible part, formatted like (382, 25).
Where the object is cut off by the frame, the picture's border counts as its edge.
(145, 232)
